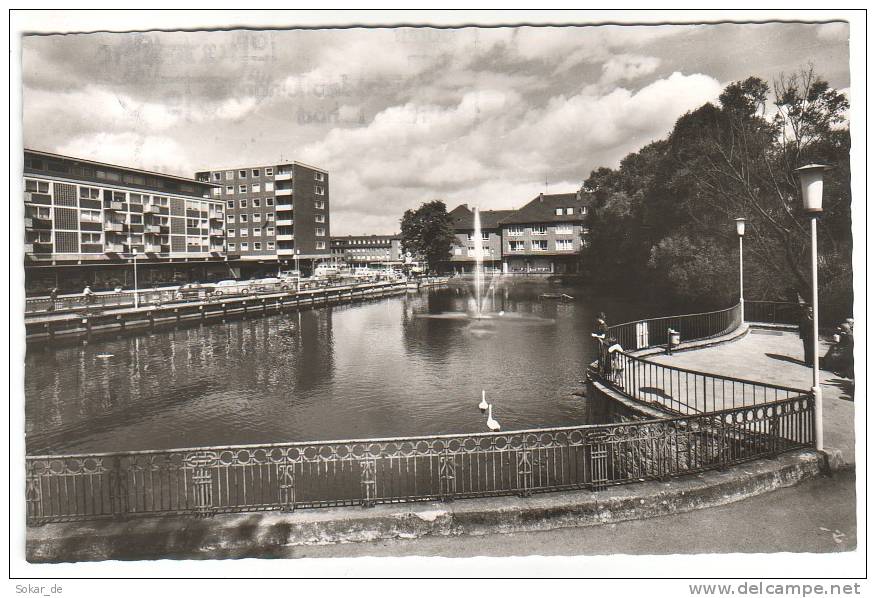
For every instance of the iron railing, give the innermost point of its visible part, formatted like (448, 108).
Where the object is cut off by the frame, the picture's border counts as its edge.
(643, 334)
(211, 480)
(772, 312)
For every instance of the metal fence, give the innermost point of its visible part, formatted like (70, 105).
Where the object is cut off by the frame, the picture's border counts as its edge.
(772, 312)
(642, 334)
(365, 472)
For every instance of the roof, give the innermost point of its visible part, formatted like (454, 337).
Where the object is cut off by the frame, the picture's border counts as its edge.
(107, 164)
(462, 218)
(542, 209)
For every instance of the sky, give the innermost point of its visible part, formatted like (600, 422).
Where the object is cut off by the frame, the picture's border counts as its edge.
(485, 116)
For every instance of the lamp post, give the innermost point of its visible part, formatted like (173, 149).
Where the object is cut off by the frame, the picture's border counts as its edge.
(298, 275)
(740, 230)
(812, 185)
(136, 296)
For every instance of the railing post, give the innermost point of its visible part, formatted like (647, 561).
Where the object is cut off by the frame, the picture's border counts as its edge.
(118, 490)
(369, 481)
(446, 475)
(33, 496)
(596, 455)
(202, 463)
(524, 470)
(286, 478)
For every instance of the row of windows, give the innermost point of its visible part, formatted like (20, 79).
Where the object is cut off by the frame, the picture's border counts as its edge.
(257, 217)
(542, 245)
(94, 193)
(568, 211)
(538, 229)
(256, 203)
(269, 245)
(257, 173)
(108, 175)
(256, 232)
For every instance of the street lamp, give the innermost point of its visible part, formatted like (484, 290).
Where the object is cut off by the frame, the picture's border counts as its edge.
(740, 230)
(812, 185)
(298, 275)
(136, 296)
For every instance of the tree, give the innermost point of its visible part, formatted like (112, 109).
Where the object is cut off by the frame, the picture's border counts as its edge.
(427, 232)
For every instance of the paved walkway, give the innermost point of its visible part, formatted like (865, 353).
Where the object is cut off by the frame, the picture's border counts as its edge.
(776, 357)
(817, 516)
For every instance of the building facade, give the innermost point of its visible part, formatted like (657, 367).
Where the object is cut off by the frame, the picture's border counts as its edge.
(546, 235)
(463, 253)
(275, 215)
(368, 251)
(86, 222)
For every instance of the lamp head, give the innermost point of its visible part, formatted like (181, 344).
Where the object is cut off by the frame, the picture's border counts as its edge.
(740, 227)
(812, 185)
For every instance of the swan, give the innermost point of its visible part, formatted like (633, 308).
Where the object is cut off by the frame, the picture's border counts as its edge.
(491, 423)
(483, 404)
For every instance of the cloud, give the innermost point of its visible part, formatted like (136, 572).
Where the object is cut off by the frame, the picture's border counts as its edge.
(149, 152)
(833, 31)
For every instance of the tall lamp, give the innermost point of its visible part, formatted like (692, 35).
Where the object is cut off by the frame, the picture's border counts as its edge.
(740, 230)
(812, 186)
(136, 295)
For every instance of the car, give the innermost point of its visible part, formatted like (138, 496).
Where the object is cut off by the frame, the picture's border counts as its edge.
(232, 287)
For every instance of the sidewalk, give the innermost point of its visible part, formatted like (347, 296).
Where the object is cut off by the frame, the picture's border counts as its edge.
(776, 357)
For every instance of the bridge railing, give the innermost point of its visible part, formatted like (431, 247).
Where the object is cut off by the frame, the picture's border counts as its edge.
(772, 312)
(643, 334)
(204, 481)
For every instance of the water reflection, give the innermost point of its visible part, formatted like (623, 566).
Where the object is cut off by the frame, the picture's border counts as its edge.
(365, 370)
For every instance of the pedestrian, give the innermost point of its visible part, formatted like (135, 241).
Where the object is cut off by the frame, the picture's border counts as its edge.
(53, 298)
(806, 335)
(88, 294)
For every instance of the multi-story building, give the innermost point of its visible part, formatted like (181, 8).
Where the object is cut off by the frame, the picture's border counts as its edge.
(367, 251)
(545, 235)
(275, 215)
(463, 253)
(85, 223)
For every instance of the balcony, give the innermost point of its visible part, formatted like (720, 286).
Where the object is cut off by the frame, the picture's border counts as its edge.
(283, 176)
(220, 217)
(152, 248)
(113, 248)
(284, 207)
(285, 222)
(285, 251)
(28, 247)
(39, 247)
(150, 209)
(115, 227)
(282, 192)
(114, 206)
(285, 237)
(152, 229)
(217, 232)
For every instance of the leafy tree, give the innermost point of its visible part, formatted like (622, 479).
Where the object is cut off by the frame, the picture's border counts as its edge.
(427, 232)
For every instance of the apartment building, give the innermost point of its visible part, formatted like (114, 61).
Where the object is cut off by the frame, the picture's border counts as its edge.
(368, 251)
(545, 235)
(86, 221)
(275, 214)
(463, 253)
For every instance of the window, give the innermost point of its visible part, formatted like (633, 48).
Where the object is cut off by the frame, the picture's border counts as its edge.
(242, 174)
(89, 216)
(269, 186)
(242, 188)
(319, 204)
(256, 232)
(36, 186)
(243, 218)
(231, 205)
(564, 245)
(570, 211)
(243, 203)
(271, 245)
(539, 229)
(230, 218)
(515, 231)
(244, 232)
(257, 246)
(269, 216)
(229, 175)
(319, 190)
(232, 246)
(269, 172)
(320, 244)
(563, 229)
(217, 191)
(244, 246)
(136, 198)
(89, 193)
(318, 176)
(485, 235)
(539, 245)
(269, 201)
(269, 231)
(120, 196)
(558, 211)
(256, 187)
(583, 210)
(256, 202)
(516, 245)
(231, 232)
(256, 173)
(319, 231)
(320, 218)
(229, 190)
(257, 217)
(217, 176)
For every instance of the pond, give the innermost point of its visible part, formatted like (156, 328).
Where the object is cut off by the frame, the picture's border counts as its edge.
(401, 366)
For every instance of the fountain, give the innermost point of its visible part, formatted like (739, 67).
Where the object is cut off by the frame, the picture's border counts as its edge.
(479, 263)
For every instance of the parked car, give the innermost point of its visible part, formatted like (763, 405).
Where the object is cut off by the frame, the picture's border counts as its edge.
(232, 287)
(194, 290)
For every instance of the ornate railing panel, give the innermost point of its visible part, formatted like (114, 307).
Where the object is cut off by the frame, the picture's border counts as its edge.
(365, 472)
